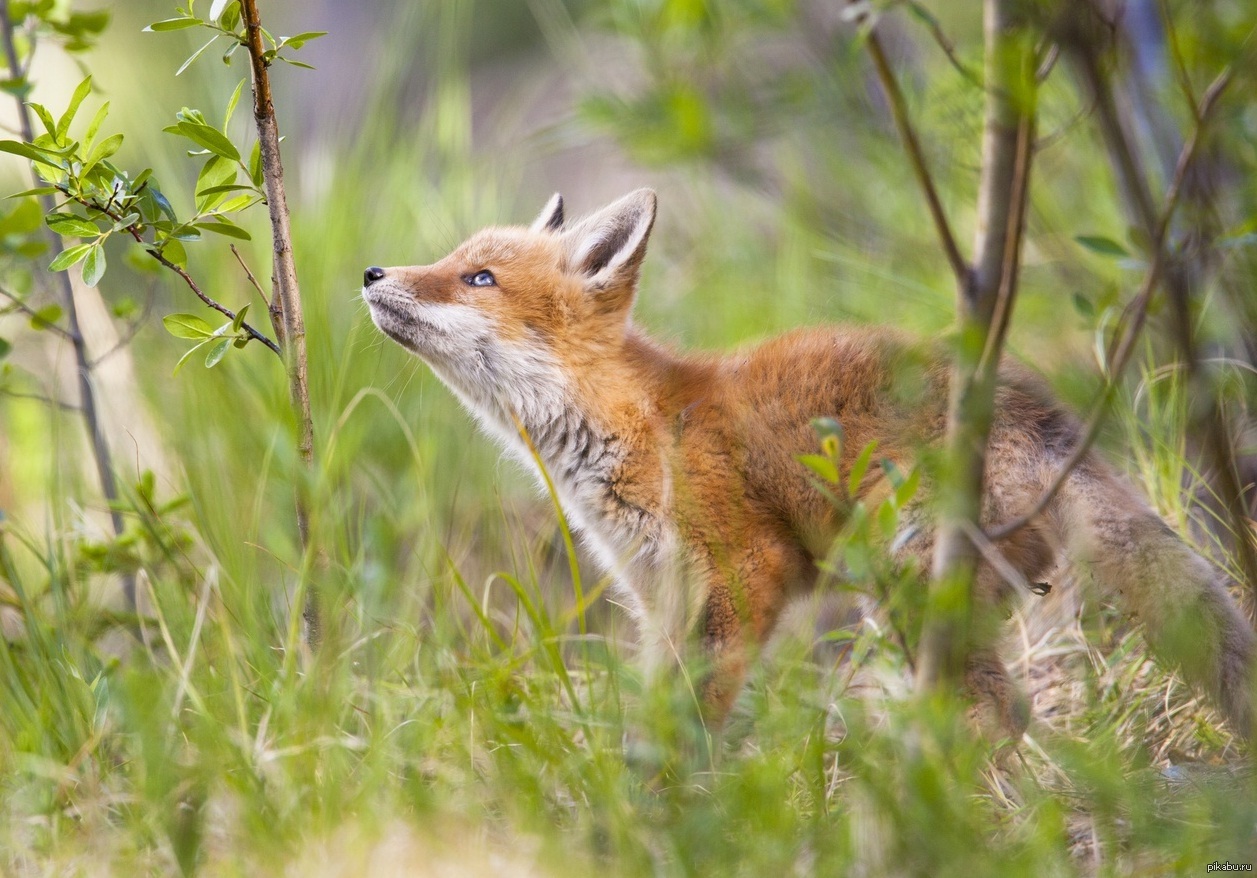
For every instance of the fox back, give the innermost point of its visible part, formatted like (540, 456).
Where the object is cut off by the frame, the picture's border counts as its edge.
(682, 472)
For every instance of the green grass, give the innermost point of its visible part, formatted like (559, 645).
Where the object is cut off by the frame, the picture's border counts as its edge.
(466, 717)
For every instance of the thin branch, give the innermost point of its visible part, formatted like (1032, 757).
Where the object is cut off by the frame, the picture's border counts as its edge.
(1048, 64)
(39, 397)
(285, 306)
(1131, 323)
(1011, 263)
(899, 112)
(136, 230)
(222, 309)
(993, 556)
(252, 280)
(1180, 66)
(954, 624)
(20, 305)
(948, 47)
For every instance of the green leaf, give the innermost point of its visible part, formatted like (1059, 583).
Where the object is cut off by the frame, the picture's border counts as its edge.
(887, 520)
(223, 190)
(5, 347)
(234, 205)
(225, 228)
(46, 118)
(1101, 245)
(231, 104)
(187, 326)
(46, 317)
(174, 250)
(215, 173)
(216, 352)
(63, 124)
(820, 465)
(94, 265)
(38, 190)
(906, 491)
(860, 467)
(95, 124)
(68, 257)
(187, 114)
(159, 203)
(26, 150)
(71, 225)
(216, 9)
(300, 64)
(301, 39)
(239, 321)
(19, 88)
(230, 19)
(172, 24)
(197, 54)
(208, 137)
(25, 217)
(192, 350)
(1083, 305)
(892, 472)
(255, 164)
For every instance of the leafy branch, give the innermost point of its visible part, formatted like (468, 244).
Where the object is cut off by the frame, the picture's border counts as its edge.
(1132, 320)
(114, 202)
(985, 293)
(243, 331)
(77, 31)
(239, 22)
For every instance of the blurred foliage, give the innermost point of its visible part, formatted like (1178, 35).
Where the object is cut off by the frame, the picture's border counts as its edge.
(460, 715)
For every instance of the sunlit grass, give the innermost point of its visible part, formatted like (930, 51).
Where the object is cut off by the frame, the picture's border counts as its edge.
(466, 716)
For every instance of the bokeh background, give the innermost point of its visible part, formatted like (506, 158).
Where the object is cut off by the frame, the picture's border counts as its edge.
(785, 200)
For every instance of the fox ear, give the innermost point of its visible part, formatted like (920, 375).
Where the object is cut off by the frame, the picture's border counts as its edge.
(551, 217)
(608, 247)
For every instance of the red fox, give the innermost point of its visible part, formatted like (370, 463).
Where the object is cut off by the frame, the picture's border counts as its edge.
(682, 473)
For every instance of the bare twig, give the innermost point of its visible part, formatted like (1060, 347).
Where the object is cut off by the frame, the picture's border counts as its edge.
(252, 280)
(1011, 263)
(1180, 67)
(1132, 321)
(947, 46)
(20, 305)
(1048, 64)
(39, 397)
(285, 305)
(87, 394)
(899, 112)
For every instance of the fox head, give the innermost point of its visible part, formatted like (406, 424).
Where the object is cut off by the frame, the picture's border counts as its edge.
(512, 311)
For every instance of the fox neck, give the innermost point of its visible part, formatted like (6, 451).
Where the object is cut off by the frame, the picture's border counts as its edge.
(599, 429)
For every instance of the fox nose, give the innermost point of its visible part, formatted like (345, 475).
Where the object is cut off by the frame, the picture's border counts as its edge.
(371, 275)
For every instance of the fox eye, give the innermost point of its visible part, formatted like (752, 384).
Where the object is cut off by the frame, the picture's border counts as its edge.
(481, 279)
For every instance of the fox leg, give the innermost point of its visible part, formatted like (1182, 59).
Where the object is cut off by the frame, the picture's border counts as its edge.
(998, 707)
(725, 653)
(744, 600)
(999, 710)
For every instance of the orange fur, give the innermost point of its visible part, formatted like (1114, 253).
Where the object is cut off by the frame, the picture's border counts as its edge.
(682, 472)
